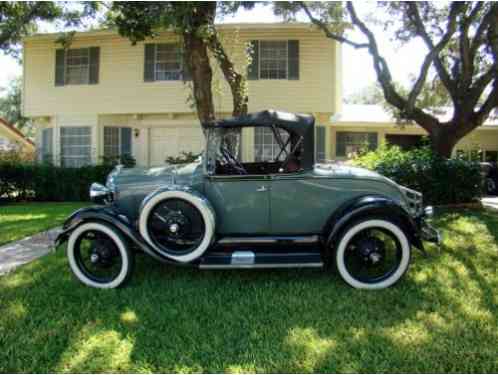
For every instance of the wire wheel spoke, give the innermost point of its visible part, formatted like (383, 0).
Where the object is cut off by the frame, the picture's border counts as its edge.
(373, 255)
(98, 257)
(176, 226)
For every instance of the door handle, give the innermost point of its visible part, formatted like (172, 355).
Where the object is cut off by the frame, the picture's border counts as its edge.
(261, 189)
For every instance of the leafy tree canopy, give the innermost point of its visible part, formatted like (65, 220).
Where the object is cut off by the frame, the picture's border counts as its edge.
(460, 66)
(19, 19)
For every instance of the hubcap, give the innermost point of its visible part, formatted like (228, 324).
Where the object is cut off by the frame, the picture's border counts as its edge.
(372, 255)
(98, 256)
(176, 226)
(94, 258)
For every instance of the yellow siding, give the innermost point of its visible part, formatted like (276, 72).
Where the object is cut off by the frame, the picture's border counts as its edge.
(121, 89)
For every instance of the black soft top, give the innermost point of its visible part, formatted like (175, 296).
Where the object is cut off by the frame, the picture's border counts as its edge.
(294, 123)
(297, 124)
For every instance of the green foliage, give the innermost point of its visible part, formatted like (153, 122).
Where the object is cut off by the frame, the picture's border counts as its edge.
(44, 182)
(11, 107)
(19, 19)
(126, 160)
(442, 181)
(185, 157)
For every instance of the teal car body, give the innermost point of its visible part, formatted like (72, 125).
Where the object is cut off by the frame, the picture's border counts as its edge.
(221, 211)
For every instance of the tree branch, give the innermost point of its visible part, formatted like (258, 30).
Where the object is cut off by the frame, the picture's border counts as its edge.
(323, 26)
(384, 77)
(479, 36)
(235, 80)
(414, 15)
(490, 103)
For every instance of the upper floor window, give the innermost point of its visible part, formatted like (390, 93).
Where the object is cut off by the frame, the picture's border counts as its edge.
(274, 59)
(164, 62)
(77, 66)
(349, 143)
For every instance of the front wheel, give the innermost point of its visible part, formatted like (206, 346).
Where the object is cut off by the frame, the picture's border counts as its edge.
(99, 256)
(372, 254)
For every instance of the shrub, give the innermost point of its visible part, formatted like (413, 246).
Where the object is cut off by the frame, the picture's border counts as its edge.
(442, 181)
(185, 157)
(45, 182)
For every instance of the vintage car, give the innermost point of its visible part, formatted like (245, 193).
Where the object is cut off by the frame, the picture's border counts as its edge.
(234, 209)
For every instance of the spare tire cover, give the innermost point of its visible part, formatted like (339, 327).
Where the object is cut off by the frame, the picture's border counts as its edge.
(194, 199)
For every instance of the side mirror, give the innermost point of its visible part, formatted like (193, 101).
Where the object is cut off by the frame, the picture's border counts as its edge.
(100, 194)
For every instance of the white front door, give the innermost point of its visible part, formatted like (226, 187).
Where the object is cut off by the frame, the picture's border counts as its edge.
(165, 142)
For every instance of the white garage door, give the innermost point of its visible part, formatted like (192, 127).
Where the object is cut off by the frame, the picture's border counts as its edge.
(166, 142)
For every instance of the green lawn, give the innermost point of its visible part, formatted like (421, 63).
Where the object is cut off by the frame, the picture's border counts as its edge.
(23, 219)
(442, 317)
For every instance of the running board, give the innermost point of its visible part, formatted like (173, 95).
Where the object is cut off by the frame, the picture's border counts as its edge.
(269, 240)
(249, 259)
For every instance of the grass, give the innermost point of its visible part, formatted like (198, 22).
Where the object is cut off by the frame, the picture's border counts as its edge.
(442, 317)
(23, 219)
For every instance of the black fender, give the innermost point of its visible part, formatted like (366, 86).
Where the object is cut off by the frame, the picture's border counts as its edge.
(372, 205)
(107, 215)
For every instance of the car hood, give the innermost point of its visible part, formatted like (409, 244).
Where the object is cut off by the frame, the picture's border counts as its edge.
(346, 171)
(179, 174)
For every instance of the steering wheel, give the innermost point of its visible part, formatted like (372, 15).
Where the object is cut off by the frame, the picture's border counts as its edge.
(232, 161)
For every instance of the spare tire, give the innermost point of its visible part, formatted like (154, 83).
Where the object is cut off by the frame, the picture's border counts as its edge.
(178, 224)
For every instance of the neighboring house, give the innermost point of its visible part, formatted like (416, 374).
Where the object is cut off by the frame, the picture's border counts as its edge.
(103, 96)
(13, 139)
(360, 126)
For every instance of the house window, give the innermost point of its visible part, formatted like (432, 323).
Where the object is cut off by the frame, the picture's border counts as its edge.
(78, 66)
(349, 143)
(266, 147)
(47, 145)
(117, 141)
(75, 146)
(168, 62)
(273, 59)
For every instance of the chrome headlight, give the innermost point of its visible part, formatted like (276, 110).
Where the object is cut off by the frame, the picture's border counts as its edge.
(100, 194)
(414, 200)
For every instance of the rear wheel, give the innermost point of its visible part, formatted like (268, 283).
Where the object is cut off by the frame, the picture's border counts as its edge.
(99, 256)
(372, 254)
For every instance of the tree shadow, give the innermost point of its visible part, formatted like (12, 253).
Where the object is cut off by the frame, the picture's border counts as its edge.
(441, 318)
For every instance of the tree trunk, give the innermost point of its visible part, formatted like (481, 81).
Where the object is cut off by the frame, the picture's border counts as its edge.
(443, 142)
(197, 58)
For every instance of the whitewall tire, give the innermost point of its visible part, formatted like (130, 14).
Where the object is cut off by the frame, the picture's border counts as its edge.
(403, 250)
(119, 247)
(203, 210)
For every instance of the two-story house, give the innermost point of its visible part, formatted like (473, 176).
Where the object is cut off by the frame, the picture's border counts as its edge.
(103, 96)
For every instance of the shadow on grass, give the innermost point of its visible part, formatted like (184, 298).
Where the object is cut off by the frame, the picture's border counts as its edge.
(441, 318)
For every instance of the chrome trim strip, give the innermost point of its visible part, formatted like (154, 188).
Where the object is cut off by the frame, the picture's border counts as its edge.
(269, 240)
(255, 266)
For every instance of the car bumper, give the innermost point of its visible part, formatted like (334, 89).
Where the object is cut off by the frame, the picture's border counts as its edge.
(428, 232)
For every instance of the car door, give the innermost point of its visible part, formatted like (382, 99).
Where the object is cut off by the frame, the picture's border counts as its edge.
(301, 204)
(241, 203)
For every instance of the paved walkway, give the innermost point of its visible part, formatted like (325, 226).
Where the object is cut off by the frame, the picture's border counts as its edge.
(26, 250)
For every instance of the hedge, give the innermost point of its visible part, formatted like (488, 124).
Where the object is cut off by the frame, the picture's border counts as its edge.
(29, 181)
(441, 181)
